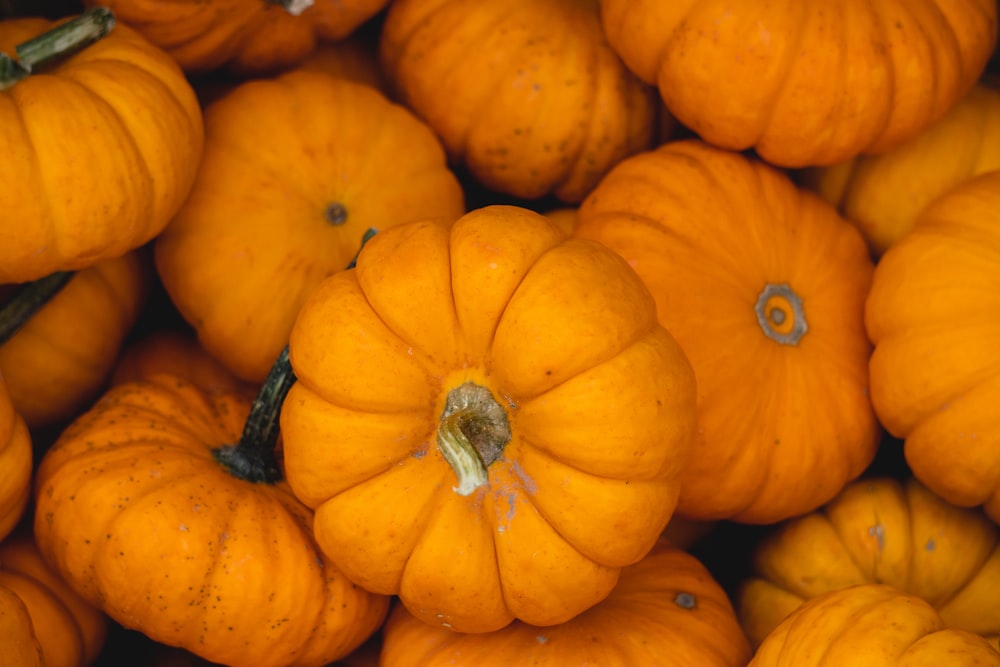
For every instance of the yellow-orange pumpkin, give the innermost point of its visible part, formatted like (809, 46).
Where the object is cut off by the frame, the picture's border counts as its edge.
(805, 83)
(488, 419)
(763, 285)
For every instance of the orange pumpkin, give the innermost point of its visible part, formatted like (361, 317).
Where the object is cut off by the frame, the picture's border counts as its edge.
(526, 95)
(883, 194)
(763, 285)
(243, 253)
(15, 462)
(879, 531)
(69, 631)
(57, 362)
(244, 36)
(135, 512)
(873, 625)
(666, 610)
(935, 373)
(100, 148)
(488, 420)
(17, 634)
(805, 83)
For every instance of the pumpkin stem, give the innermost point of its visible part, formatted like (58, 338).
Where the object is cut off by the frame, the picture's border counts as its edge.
(28, 300)
(294, 7)
(62, 41)
(780, 314)
(472, 434)
(253, 458)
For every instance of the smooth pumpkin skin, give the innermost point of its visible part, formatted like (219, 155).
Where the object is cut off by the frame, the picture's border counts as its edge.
(17, 635)
(527, 95)
(16, 462)
(884, 194)
(133, 511)
(666, 610)
(931, 314)
(884, 531)
(58, 362)
(870, 625)
(70, 631)
(783, 426)
(248, 37)
(101, 150)
(254, 238)
(598, 396)
(805, 84)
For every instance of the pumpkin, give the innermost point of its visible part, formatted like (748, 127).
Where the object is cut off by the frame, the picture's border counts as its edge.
(487, 418)
(885, 531)
(666, 610)
(101, 146)
(805, 84)
(69, 631)
(763, 285)
(249, 37)
(17, 634)
(525, 95)
(57, 362)
(873, 625)
(883, 194)
(16, 460)
(283, 198)
(149, 510)
(935, 370)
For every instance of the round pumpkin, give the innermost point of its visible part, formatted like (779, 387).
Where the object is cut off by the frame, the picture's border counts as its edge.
(526, 95)
(58, 361)
(70, 632)
(17, 635)
(148, 510)
(283, 198)
(883, 194)
(805, 83)
(488, 419)
(16, 461)
(873, 625)
(101, 146)
(250, 37)
(933, 316)
(763, 285)
(666, 610)
(883, 531)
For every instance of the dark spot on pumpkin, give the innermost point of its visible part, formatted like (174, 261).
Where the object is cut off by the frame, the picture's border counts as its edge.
(335, 213)
(686, 600)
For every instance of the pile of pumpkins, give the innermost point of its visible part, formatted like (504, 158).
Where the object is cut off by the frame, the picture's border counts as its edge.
(513, 332)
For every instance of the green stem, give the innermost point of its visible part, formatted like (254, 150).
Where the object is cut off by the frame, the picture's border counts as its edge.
(28, 300)
(60, 42)
(472, 434)
(294, 7)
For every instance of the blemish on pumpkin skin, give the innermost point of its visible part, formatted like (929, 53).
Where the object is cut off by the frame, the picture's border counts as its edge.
(930, 546)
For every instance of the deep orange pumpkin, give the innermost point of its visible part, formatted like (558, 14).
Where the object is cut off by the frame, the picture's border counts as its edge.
(15, 462)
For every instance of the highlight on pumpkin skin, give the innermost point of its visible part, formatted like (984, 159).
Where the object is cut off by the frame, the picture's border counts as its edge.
(871, 624)
(577, 416)
(666, 610)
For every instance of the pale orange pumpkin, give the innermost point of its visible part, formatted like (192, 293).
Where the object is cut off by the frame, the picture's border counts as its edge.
(488, 419)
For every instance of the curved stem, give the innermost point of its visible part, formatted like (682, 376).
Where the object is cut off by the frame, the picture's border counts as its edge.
(253, 458)
(62, 41)
(294, 7)
(461, 456)
(29, 300)
(472, 434)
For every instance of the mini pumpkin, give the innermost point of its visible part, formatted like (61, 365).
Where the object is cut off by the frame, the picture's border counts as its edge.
(666, 610)
(763, 285)
(805, 84)
(57, 361)
(873, 625)
(249, 37)
(488, 419)
(16, 461)
(526, 95)
(882, 531)
(935, 372)
(884, 194)
(283, 198)
(101, 144)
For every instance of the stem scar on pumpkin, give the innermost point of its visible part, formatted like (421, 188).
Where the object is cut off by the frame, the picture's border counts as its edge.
(472, 434)
(335, 213)
(780, 314)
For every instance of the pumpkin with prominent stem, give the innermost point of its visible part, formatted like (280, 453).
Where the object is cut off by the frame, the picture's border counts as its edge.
(488, 419)
(149, 511)
(101, 142)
